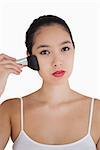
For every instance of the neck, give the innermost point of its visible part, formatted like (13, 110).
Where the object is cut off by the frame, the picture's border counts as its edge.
(54, 94)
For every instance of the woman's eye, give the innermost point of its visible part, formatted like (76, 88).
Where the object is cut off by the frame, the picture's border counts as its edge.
(44, 52)
(66, 49)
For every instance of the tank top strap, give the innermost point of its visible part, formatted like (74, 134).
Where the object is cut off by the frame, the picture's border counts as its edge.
(91, 115)
(21, 113)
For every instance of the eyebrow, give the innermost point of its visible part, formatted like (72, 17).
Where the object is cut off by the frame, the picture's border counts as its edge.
(44, 45)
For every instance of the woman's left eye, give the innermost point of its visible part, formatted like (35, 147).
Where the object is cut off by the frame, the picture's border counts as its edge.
(66, 49)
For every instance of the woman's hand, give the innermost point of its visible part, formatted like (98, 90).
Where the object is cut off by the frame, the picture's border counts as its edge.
(7, 65)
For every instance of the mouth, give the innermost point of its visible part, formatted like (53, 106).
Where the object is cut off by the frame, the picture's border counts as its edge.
(58, 73)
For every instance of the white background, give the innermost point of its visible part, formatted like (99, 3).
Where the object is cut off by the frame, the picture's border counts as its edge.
(83, 20)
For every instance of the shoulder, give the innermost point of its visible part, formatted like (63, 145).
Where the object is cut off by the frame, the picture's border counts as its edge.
(10, 102)
(9, 106)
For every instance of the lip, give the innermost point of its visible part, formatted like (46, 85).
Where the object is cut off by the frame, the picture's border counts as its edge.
(58, 73)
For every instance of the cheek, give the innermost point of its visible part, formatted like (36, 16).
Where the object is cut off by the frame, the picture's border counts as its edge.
(44, 67)
(44, 73)
(70, 60)
(70, 63)
(43, 63)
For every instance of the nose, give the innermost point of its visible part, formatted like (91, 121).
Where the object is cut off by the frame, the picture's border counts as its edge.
(57, 61)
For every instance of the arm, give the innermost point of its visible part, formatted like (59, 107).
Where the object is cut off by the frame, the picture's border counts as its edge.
(8, 65)
(5, 126)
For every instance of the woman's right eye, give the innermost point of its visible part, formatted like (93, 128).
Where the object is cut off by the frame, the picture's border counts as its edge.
(45, 52)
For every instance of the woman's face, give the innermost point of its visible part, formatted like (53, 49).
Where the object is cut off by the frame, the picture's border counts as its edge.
(54, 50)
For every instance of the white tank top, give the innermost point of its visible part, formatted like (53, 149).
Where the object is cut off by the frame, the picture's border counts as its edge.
(24, 142)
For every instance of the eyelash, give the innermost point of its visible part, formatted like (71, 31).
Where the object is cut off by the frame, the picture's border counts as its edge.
(49, 52)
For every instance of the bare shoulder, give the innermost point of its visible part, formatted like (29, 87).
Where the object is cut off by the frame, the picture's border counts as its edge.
(9, 105)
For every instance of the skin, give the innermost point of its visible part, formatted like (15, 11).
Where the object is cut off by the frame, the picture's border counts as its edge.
(7, 65)
(49, 113)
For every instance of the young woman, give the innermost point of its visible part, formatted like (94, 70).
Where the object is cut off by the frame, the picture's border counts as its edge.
(55, 116)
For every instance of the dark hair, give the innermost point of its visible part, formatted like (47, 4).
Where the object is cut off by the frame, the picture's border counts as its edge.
(40, 22)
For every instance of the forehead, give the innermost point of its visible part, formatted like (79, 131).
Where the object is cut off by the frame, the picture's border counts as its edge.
(51, 34)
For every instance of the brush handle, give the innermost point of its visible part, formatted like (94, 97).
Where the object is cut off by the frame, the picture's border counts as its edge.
(22, 61)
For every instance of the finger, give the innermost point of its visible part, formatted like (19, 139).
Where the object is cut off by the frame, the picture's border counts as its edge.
(10, 62)
(4, 56)
(8, 66)
(13, 71)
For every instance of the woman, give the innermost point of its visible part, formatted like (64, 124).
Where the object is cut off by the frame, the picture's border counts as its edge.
(55, 116)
